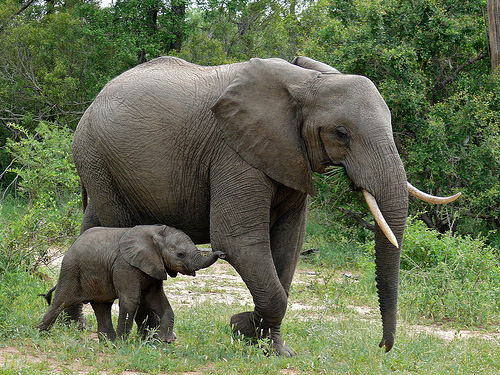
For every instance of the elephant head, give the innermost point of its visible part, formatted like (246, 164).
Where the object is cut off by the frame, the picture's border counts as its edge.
(159, 250)
(290, 120)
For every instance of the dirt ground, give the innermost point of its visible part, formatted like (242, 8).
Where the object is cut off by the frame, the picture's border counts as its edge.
(221, 283)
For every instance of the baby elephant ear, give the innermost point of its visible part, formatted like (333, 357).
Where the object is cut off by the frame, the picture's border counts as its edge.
(139, 250)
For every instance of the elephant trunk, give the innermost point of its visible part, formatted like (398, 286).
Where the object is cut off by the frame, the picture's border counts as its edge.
(392, 200)
(201, 261)
(387, 259)
(385, 182)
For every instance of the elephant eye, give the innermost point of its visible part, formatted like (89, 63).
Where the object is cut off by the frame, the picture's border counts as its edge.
(342, 134)
(181, 255)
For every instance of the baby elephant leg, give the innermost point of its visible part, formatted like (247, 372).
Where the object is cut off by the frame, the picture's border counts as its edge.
(102, 313)
(73, 315)
(128, 308)
(157, 301)
(61, 301)
(146, 320)
(49, 318)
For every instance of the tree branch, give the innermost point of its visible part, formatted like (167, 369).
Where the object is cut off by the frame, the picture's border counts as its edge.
(451, 77)
(358, 219)
(22, 9)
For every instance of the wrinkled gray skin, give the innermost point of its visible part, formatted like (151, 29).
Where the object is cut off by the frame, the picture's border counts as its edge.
(226, 154)
(130, 264)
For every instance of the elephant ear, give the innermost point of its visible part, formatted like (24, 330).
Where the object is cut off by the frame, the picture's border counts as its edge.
(308, 63)
(259, 115)
(140, 250)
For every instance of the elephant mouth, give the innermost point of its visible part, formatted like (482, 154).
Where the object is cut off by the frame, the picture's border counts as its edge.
(328, 162)
(373, 205)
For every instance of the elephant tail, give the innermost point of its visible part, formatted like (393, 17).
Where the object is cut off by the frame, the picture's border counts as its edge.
(48, 295)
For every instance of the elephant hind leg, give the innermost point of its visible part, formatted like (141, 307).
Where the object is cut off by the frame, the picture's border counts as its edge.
(73, 315)
(105, 328)
(90, 218)
(49, 317)
(106, 206)
(146, 320)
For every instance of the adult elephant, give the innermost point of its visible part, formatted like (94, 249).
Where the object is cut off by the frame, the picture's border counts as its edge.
(226, 154)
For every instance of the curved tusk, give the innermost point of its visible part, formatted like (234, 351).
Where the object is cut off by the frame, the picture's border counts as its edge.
(379, 218)
(430, 198)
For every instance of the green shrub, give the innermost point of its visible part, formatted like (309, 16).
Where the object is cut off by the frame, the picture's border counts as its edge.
(43, 163)
(449, 278)
(444, 278)
(48, 184)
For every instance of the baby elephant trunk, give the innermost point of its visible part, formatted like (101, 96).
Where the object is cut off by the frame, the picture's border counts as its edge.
(206, 261)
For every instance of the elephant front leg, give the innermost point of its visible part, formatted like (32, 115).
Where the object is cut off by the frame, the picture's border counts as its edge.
(240, 215)
(250, 254)
(287, 238)
(156, 300)
(128, 308)
(270, 302)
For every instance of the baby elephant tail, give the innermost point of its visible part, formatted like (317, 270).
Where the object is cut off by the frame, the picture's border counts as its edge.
(48, 295)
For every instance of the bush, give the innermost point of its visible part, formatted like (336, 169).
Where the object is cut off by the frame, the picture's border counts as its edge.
(48, 184)
(449, 278)
(444, 278)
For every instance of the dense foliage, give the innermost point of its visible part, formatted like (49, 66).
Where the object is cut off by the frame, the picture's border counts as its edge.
(428, 58)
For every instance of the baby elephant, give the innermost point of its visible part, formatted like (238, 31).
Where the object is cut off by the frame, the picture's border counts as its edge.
(104, 264)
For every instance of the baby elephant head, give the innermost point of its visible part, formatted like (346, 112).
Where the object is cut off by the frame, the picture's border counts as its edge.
(159, 250)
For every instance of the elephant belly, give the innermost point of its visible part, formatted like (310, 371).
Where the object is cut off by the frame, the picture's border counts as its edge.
(181, 201)
(94, 288)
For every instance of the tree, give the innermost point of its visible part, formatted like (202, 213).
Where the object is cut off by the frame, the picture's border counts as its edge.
(494, 32)
(429, 61)
(53, 65)
(155, 27)
(10, 13)
(236, 30)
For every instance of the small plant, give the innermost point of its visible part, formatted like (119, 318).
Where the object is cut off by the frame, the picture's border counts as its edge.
(48, 186)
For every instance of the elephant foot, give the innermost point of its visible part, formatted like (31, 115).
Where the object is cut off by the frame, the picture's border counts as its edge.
(106, 336)
(279, 346)
(170, 338)
(166, 335)
(248, 325)
(147, 321)
(43, 326)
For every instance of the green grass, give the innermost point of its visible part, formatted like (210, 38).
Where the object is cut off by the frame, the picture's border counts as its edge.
(331, 339)
(206, 345)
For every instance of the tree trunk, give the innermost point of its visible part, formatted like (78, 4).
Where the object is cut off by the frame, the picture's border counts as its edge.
(152, 18)
(178, 9)
(494, 33)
